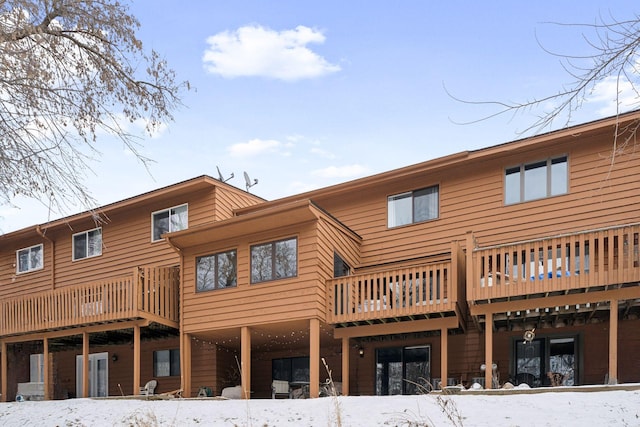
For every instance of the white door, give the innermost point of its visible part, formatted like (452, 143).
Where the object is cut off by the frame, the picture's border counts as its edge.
(98, 375)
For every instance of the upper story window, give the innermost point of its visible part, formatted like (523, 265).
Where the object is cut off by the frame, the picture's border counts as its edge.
(217, 271)
(29, 259)
(340, 267)
(168, 220)
(536, 180)
(274, 260)
(87, 244)
(414, 206)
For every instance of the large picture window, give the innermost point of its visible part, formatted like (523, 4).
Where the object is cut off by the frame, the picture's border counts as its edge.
(536, 180)
(87, 244)
(217, 271)
(414, 206)
(29, 259)
(166, 363)
(274, 260)
(290, 369)
(169, 220)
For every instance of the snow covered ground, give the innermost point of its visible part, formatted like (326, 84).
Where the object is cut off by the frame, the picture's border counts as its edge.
(614, 407)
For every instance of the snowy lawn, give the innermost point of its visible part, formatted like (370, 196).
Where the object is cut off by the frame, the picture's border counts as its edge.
(614, 407)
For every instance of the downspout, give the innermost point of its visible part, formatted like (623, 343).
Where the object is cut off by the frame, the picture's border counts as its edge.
(53, 250)
(181, 316)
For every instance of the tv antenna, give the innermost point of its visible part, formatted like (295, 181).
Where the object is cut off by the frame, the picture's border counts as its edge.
(248, 182)
(221, 178)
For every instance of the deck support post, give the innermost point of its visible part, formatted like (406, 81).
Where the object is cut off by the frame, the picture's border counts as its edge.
(613, 341)
(85, 364)
(345, 366)
(185, 360)
(488, 351)
(3, 367)
(136, 360)
(45, 369)
(245, 361)
(444, 342)
(314, 358)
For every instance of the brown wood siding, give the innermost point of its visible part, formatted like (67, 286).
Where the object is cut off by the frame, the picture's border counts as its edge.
(254, 304)
(126, 237)
(12, 283)
(471, 199)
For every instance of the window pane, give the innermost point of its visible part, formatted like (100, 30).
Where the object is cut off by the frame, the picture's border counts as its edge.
(162, 363)
(512, 186)
(227, 277)
(36, 257)
(23, 260)
(261, 263)
(286, 259)
(94, 246)
(535, 181)
(559, 176)
(175, 362)
(399, 210)
(205, 270)
(80, 246)
(425, 204)
(160, 224)
(179, 218)
(300, 369)
(340, 267)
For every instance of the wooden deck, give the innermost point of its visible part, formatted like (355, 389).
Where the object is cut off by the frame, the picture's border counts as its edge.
(417, 292)
(579, 262)
(148, 292)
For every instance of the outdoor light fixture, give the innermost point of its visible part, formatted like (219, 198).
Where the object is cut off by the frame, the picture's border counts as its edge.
(114, 357)
(361, 351)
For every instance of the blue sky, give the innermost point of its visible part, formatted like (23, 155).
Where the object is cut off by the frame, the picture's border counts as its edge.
(306, 94)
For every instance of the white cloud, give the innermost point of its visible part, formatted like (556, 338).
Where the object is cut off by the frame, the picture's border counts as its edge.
(253, 147)
(616, 96)
(322, 153)
(258, 51)
(348, 171)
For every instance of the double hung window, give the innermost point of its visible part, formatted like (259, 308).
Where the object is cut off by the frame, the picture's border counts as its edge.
(217, 271)
(274, 260)
(414, 206)
(29, 259)
(536, 180)
(169, 220)
(87, 244)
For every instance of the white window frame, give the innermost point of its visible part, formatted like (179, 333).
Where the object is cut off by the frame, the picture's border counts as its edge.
(153, 215)
(548, 189)
(393, 201)
(73, 245)
(30, 268)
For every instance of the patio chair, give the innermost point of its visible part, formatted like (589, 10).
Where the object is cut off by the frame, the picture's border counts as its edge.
(148, 388)
(280, 388)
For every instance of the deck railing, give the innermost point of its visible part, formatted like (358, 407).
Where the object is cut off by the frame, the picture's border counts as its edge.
(582, 260)
(148, 292)
(424, 289)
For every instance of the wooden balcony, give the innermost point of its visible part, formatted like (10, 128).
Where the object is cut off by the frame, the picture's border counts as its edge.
(147, 293)
(579, 262)
(417, 292)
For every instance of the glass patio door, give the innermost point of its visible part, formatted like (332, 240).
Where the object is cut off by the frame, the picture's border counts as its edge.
(98, 375)
(402, 370)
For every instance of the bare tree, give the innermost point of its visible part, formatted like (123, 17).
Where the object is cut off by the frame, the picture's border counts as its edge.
(70, 71)
(614, 62)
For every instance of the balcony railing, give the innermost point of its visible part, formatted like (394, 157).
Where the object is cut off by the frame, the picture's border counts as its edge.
(585, 260)
(405, 292)
(149, 292)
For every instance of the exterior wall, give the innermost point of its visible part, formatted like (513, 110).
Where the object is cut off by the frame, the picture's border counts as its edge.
(299, 297)
(471, 199)
(126, 238)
